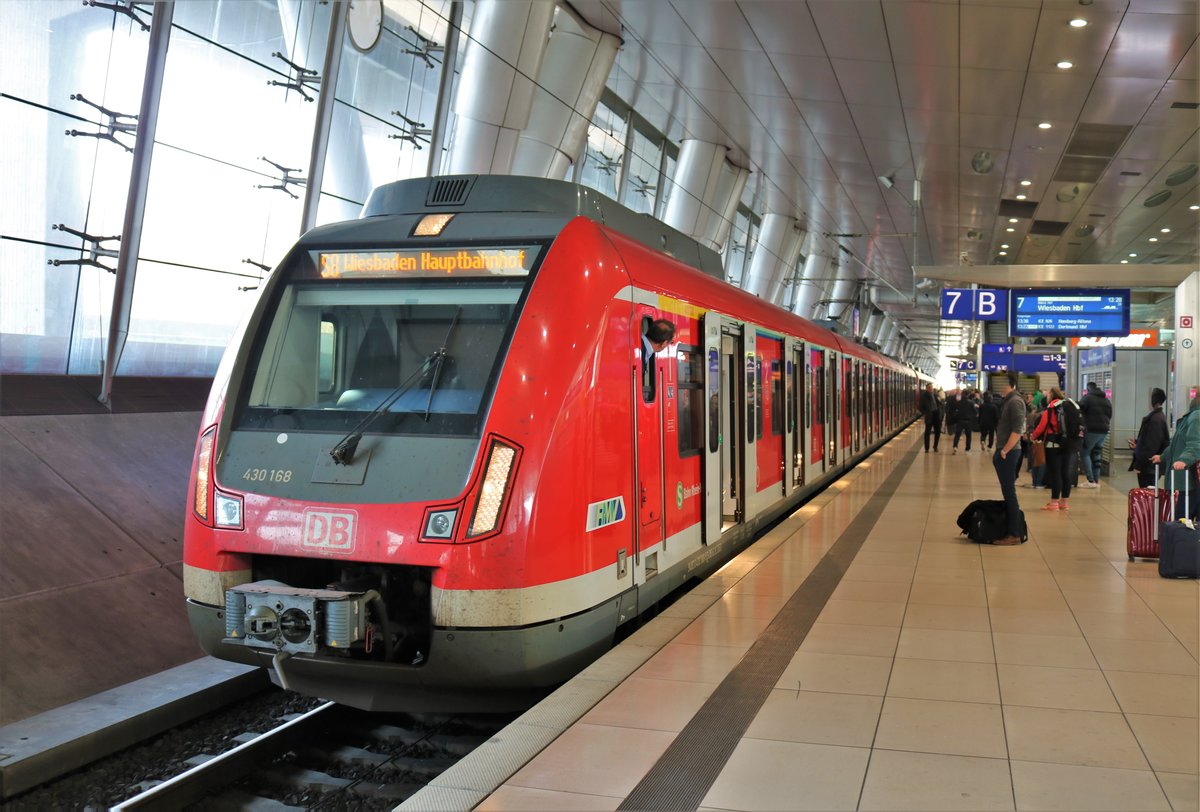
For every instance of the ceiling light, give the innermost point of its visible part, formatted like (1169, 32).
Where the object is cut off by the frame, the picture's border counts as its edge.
(1010, 228)
(1026, 183)
(888, 181)
(1012, 219)
(1157, 199)
(1164, 231)
(1044, 125)
(1004, 245)
(1133, 255)
(1124, 262)
(1020, 197)
(1085, 230)
(1078, 22)
(1065, 64)
(1153, 239)
(1067, 193)
(1194, 206)
(1003, 253)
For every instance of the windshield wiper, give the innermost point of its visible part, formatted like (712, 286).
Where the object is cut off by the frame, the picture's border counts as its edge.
(343, 452)
(439, 360)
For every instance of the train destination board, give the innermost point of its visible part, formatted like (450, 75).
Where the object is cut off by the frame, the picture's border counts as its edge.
(1041, 312)
(429, 262)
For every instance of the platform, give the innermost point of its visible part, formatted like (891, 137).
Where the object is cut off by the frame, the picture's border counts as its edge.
(864, 655)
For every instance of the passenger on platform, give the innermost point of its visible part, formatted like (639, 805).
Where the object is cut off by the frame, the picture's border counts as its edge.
(1006, 459)
(1152, 440)
(1058, 428)
(657, 336)
(989, 413)
(952, 399)
(1035, 452)
(1182, 454)
(1030, 414)
(968, 418)
(1039, 398)
(1097, 415)
(931, 409)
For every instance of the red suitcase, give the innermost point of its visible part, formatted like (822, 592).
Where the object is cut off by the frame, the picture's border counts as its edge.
(1148, 507)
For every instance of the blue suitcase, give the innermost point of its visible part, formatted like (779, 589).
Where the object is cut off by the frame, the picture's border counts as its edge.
(1178, 544)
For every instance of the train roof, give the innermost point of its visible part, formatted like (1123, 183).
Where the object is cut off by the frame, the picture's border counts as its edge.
(516, 193)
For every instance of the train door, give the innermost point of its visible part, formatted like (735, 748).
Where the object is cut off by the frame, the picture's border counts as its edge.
(855, 411)
(649, 383)
(815, 369)
(714, 434)
(831, 410)
(793, 352)
(846, 396)
(769, 420)
(733, 410)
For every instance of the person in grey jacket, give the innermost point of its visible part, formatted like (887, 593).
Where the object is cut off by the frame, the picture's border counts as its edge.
(1007, 460)
(1096, 410)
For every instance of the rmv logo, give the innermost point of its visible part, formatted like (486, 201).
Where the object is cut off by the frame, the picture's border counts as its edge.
(329, 530)
(602, 514)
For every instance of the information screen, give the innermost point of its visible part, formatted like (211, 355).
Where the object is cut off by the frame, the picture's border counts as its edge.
(428, 262)
(1041, 312)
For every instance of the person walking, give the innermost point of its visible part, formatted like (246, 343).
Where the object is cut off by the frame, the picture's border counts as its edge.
(1006, 460)
(968, 418)
(1152, 440)
(931, 409)
(1096, 409)
(952, 401)
(1183, 453)
(989, 413)
(1058, 428)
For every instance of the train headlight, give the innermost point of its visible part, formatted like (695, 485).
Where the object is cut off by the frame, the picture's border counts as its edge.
(496, 480)
(200, 500)
(227, 510)
(440, 524)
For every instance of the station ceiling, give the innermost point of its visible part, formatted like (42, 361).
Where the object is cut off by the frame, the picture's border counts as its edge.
(1047, 140)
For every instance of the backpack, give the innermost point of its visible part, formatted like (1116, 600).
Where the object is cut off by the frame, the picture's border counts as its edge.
(1066, 428)
(986, 520)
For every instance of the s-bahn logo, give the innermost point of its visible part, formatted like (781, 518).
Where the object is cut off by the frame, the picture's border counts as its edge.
(606, 512)
(330, 531)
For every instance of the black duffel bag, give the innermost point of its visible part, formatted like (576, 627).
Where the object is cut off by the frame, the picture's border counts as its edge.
(985, 521)
(1178, 544)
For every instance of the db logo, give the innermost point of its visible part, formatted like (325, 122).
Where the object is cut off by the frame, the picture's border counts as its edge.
(329, 531)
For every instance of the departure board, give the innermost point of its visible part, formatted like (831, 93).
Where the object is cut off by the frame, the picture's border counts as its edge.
(1070, 312)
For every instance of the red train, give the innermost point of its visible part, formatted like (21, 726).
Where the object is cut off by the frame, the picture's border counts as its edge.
(436, 471)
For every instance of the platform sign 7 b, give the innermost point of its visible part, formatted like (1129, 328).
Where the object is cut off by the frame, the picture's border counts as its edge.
(965, 304)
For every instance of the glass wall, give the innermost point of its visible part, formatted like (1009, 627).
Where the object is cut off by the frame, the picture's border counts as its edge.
(602, 164)
(226, 186)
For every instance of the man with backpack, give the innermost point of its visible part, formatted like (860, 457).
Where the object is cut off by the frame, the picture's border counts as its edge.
(1096, 409)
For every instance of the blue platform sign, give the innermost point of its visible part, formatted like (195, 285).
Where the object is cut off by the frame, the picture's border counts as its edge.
(965, 304)
(966, 366)
(996, 357)
(1030, 363)
(1098, 356)
(1069, 312)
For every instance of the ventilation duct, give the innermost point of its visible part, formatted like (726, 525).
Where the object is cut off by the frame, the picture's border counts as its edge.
(704, 193)
(775, 255)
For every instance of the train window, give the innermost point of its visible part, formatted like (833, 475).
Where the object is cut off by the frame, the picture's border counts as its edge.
(690, 400)
(777, 407)
(327, 356)
(427, 353)
(758, 397)
(714, 401)
(649, 367)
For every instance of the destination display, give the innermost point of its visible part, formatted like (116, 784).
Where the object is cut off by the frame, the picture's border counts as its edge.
(1041, 312)
(1030, 363)
(428, 262)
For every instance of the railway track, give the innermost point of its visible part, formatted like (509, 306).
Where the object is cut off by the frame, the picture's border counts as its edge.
(330, 757)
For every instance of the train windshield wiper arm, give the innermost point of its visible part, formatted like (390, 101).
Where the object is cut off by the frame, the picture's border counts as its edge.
(343, 452)
(439, 360)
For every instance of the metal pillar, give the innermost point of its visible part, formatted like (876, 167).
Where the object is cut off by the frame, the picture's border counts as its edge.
(135, 204)
(574, 69)
(437, 139)
(324, 117)
(495, 91)
(1187, 346)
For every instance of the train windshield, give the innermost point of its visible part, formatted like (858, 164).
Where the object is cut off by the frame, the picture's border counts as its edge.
(423, 352)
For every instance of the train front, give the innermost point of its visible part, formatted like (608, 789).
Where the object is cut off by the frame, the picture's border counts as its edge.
(346, 462)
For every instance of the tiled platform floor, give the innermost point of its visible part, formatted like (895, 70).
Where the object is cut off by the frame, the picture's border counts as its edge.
(940, 675)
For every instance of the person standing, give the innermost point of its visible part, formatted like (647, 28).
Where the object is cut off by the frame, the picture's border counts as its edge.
(1182, 454)
(1152, 440)
(952, 401)
(931, 408)
(1058, 427)
(1007, 460)
(1097, 415)
(989, 413)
